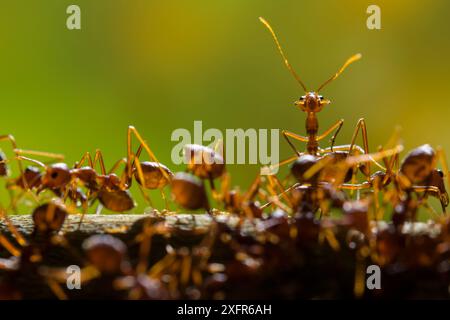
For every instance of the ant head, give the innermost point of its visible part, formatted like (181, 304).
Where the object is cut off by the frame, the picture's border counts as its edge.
(56, 176)
(49, 217)
(311, 102)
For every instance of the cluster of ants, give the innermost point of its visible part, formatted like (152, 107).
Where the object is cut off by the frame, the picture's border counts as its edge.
(278, 239)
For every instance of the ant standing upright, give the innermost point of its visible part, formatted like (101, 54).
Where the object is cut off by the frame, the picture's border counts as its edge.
(312, 103)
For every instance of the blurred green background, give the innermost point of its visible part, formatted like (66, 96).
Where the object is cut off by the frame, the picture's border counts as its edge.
(160, 65)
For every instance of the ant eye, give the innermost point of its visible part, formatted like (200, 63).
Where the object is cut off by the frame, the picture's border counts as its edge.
(302, 98)
(320, 97)
(441, 173)
(54, 175)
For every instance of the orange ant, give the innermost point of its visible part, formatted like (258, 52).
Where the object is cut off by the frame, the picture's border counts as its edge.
(188, 188)
(108, 270)
(416, 173)
(189, 191)
(204, 163)
(148, 174)
(48, 220)
(312, 103)
(25, 180)
(319, 179)
(111, 190)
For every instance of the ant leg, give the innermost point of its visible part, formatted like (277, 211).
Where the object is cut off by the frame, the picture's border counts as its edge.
(86, 156)
(434, 190)
(430, 210)
(156, 270)
(287, 134)
(443, 159)
(225, 189)
(166, 202)
(360, 274)
(99, 209)
(185, 272)
(117, 164)
(346, 147)
(275, 183)
(144, 248)
(56, 288)
(361, 124)
(9, 246)
(12, 140)
(141, 178)
(53, 156)
(20, 239)
(214, 192)
(355, 186)
(252, 192)
(269, 169)
(274, 199)
(99, 158)
(132, 130)
(337, 126)
(85, 206)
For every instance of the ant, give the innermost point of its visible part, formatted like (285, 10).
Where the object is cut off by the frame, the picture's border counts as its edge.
(416, 173)
(189, 192)
(185, 267)
(44, 241)
(204, 163)
(24, 183)
(110, 189)
(148, 174)
(320, 179)
(188, 188)
(108, 272)
(312, 103)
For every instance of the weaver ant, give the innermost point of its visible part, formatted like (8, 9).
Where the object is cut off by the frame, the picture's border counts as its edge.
(48, 219)
(188, 188)
(110, 189)
(26, 178)
(416, 173)
(312, 103)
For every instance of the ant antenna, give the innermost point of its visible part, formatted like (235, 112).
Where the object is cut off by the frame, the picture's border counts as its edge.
(349, 61)
(286, 62)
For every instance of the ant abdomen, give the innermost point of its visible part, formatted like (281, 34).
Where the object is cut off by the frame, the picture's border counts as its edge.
(116, 200)
(300, 166)
(189, 191)
(204, 162)
(418, 164)
(153, 177)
